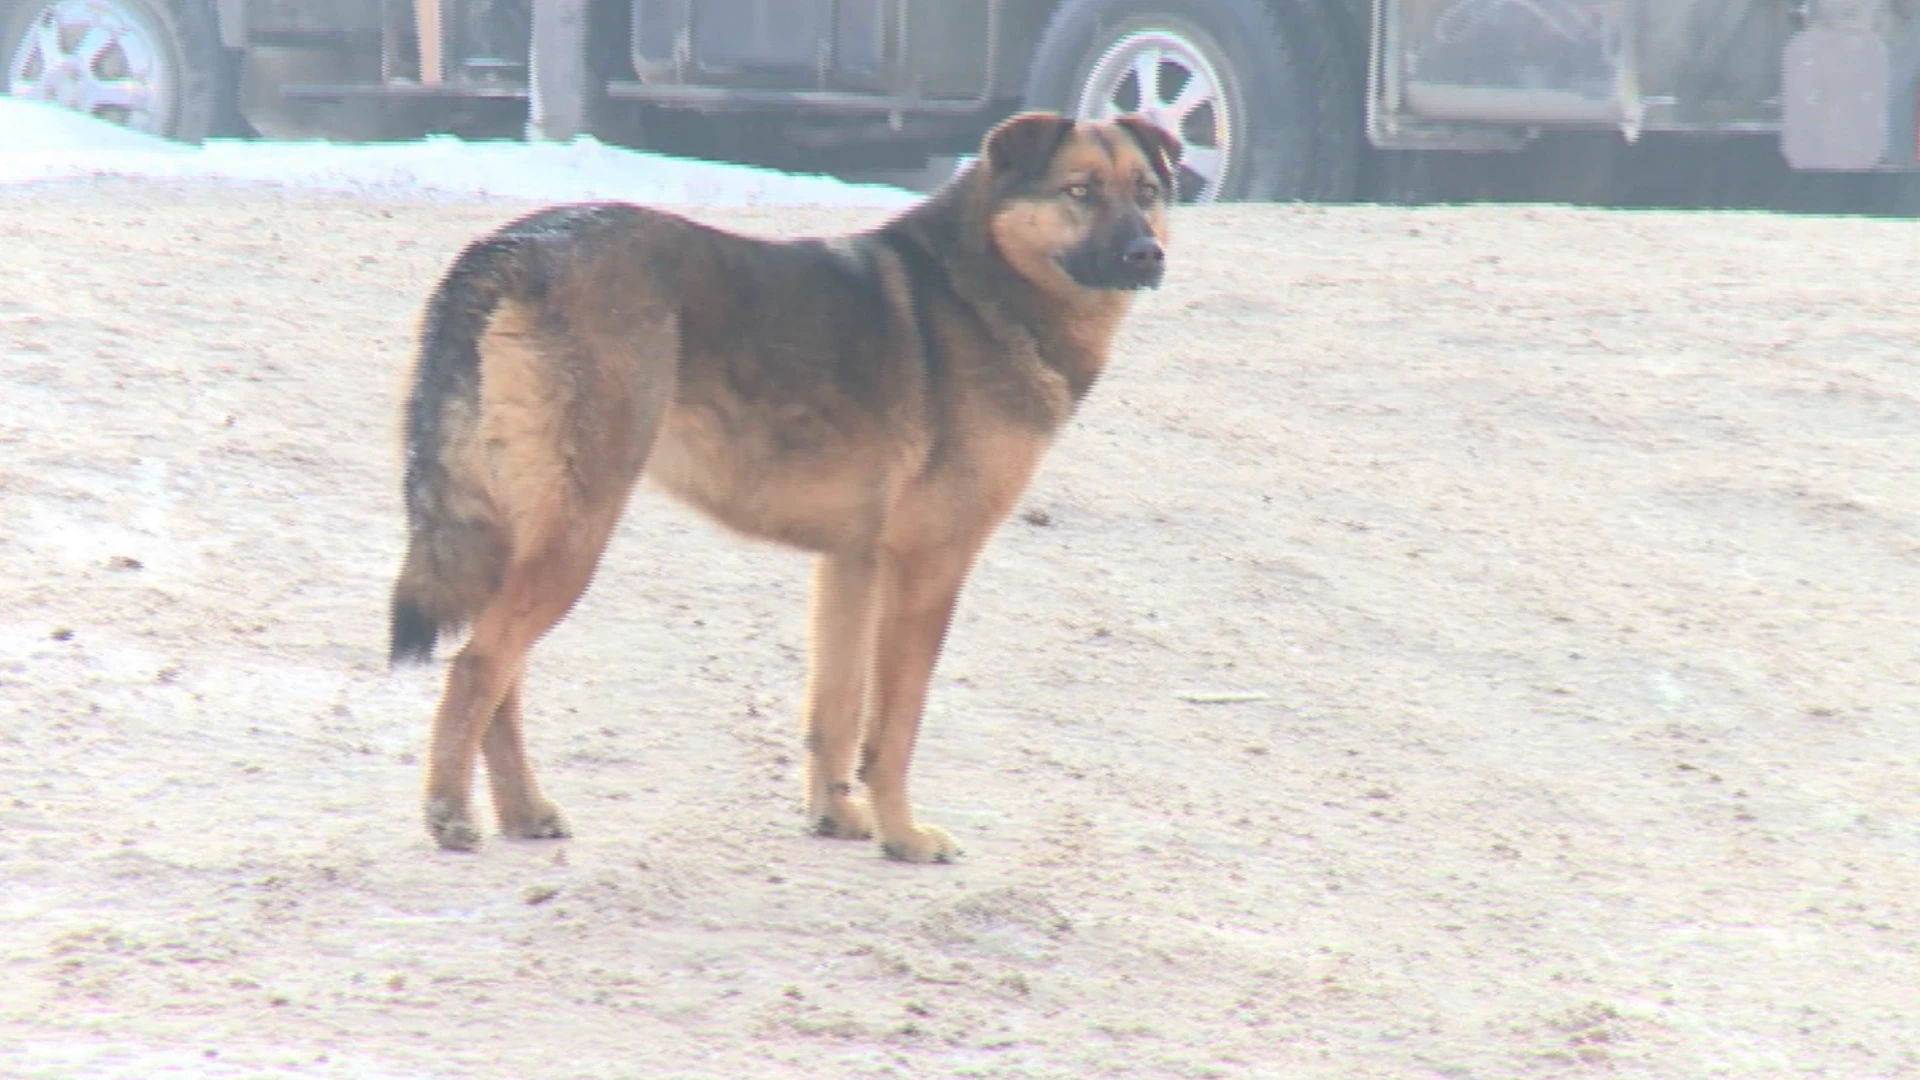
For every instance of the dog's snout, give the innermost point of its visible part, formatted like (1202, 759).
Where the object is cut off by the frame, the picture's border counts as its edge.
(1128, 257)
(1144, 253)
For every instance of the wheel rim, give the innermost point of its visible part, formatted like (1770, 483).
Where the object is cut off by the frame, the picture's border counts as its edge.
(96, 57)
(1164, 77)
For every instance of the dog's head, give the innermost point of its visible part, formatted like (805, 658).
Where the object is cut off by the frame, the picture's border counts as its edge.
(1081, 205)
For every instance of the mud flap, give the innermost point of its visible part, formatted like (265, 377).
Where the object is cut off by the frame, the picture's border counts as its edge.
(1849, 101)
(557, 90)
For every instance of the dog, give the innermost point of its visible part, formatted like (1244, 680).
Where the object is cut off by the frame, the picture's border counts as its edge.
(880, 399)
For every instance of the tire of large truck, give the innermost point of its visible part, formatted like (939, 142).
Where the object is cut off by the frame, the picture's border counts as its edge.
(1260, 95)
(150, 65)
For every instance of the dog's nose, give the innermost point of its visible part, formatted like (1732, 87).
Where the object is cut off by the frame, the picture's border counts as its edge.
(1144, 253)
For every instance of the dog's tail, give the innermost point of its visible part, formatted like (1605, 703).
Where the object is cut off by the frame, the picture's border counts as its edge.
(458, 538)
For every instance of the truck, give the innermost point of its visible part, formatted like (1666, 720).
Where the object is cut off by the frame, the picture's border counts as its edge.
(1606, 101)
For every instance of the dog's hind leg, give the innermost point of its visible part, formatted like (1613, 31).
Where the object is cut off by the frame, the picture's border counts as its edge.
(481, 708)
(569, 413)
(839, 660)
(524, 811)
(477, 684)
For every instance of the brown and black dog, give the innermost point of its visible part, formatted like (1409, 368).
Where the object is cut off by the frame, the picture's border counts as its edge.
(880, 398)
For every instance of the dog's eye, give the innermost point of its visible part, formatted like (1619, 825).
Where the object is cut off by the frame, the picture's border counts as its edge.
(1149, 191)
(1079, 192)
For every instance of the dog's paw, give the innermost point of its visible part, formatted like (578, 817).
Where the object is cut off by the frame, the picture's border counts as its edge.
(925, 844)
(542, 820)
(847, 819)
(451, 828)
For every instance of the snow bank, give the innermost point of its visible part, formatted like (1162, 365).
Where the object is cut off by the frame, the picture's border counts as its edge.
(40, 142)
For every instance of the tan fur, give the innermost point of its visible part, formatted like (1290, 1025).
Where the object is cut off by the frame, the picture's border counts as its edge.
(881, 399)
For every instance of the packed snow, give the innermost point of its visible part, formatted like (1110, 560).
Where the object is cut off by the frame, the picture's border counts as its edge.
(40, 142)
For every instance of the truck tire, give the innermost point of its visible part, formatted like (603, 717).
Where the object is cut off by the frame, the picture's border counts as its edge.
(151, 65)
(1249, 88)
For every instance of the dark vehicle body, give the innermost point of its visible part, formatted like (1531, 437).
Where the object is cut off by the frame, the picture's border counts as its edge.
(1580, 100)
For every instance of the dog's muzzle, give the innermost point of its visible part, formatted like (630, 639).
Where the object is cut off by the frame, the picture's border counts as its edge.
(1145, 260)
(1137, 263)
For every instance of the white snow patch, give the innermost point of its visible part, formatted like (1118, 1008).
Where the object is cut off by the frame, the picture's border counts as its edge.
(40, 142)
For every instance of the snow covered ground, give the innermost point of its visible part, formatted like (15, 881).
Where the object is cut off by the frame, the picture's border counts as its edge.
(39, 142)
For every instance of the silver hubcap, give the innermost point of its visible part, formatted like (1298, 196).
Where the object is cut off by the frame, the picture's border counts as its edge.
(1163, 77)
(98, 58)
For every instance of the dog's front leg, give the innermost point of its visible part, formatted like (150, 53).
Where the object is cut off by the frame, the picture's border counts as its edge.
(918, 592)
(839, 659)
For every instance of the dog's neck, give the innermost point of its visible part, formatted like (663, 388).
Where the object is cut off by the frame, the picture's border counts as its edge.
(1084, 339)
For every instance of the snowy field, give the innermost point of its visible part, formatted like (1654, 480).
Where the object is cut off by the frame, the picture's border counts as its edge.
(40, 143)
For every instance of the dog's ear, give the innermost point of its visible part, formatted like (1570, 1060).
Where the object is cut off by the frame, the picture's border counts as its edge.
(1023, 145)
(1161, 147)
